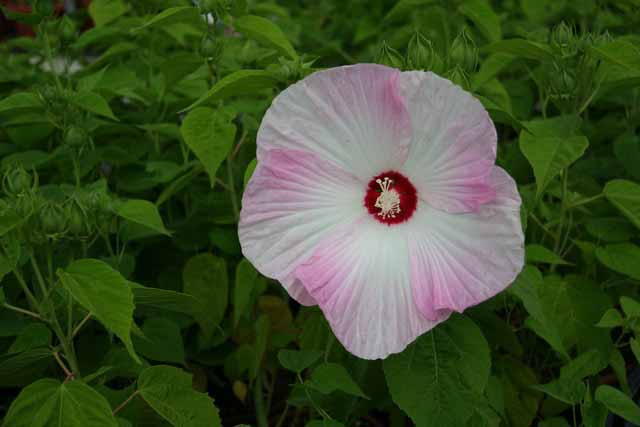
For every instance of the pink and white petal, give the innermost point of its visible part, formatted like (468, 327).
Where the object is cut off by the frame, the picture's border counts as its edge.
(454, 143)
(297, 291)
(360, 277)
(351, 116)
(460, 260)
(292, 201)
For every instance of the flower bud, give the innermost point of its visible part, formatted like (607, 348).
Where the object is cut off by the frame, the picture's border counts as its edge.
(212, 48)
(76, 137)
(67, 29)
(459, 76)
(463, 52)
(562, 38)
(53, 221)
(17, 181)
(77, 219)
(390, 57)
(422, 56)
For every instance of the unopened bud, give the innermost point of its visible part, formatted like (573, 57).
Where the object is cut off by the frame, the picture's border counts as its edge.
(459, 76)
(212, 47)
(463, 52)
(67, 29)
(422, 56)
(390, 57)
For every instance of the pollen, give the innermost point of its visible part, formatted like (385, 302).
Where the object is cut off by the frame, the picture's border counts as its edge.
(389, 200)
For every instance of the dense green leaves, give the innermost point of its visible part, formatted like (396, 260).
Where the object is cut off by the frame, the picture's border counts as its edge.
(450, 364)
(141, 212)
(50, 403)
(618, 403)
(298, 360)
(330, 377)
(210, 135)
(621, 257)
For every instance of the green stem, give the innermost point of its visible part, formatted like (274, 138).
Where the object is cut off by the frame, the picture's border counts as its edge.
(261, 415)
(318, 409)
(22, 310)
(232, 189)
(25, 288)
(38, 273)
(49, 55)
(283, 416)
(585, 201)
(67, 347)
(126, 402)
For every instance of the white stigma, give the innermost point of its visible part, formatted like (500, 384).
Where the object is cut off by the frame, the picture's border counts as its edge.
(389, 200)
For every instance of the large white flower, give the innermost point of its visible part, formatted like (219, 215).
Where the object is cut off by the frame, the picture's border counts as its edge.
(376, 197)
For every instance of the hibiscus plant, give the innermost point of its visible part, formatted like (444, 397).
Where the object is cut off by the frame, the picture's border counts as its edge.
(319, 213)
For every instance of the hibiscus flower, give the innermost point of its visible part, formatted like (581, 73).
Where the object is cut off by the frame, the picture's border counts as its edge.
(376, 197)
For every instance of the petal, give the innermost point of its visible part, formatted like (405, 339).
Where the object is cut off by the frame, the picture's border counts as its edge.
(352, 116)
(460, 260)
(454, 143)
(360, 278)
(292, 200)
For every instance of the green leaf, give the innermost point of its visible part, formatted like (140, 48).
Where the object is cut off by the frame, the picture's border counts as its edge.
(205, 277)
(620, 53)
(33, 336)
(19, 369)
(625, 195)
(621, 257)
(9, 220)
(93, 103)
(521, 48)
(210, 136)
(528, 287)
(618, 403)
(565, 390)
(403, 8)
(105, 11)
(330, 377)
(162, 341)
(241, 82)
(249, 171)
(449, 364)
(172, 15)
(550, 155)
(164, 299)
(142, 212)
(483, 16)
(610, 319)
(490, 68)
(246, 279)
(635, 348)
(611, 230)
(266, 32)
(49, 403)
(630, 307)
(103, 292)
(539, 254)
(19, 101)
(298, 360)
(169, 392)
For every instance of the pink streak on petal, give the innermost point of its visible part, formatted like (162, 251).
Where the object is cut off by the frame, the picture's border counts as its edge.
(458, 261)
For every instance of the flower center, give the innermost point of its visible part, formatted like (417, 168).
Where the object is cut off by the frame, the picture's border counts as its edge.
(391, 198)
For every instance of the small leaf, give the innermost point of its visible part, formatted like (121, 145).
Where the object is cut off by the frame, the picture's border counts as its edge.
(169, 392)
(521, 48)
(570, 391)
(246, 277)
(205, 277)
(102, 291)
(266, 32)
(621, 257)
(483, 16)
(93, 103)
(171, 15)
(142, 212)
(403, 8)
(19, 101)
(630, 307)
(105, 11)
(635, 348)
(330, 377)
(298, 360)
(9, 220)
(249, 171)
(241, 82)
(539, 254)
(610, 319)
(210, 136)
(625, 195)
(550, 155)
(164, 299)
(33, 336)
(48, 402)
(618, 403)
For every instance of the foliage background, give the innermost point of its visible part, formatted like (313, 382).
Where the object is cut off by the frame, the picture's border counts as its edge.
(127, 132)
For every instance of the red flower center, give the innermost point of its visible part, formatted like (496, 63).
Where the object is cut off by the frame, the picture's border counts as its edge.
(391, 198)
